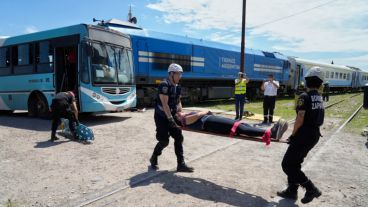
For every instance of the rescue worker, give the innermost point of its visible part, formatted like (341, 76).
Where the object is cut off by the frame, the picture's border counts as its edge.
(168, 103)
(326, 91)
(240, 90)
(64, 106)
(305, 135)
(270, 92)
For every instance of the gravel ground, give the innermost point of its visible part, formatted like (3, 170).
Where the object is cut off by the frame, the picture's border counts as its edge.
(229, 172)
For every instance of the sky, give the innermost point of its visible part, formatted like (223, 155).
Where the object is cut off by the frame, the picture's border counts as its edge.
(321, 30)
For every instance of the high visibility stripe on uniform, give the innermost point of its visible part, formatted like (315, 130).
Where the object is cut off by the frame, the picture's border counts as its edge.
(241, 87)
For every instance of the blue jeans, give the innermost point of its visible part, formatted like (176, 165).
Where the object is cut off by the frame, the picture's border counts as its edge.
(239, 105)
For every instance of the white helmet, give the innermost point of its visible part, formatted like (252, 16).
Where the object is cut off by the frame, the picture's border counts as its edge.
(175, 68)
(315, 71)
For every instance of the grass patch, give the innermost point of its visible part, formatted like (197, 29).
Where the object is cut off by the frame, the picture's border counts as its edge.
(345, 109)
(359, 122)
(284, 106)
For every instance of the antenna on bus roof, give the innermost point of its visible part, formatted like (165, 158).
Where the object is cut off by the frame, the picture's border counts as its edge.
(101, 22)
(131, 19)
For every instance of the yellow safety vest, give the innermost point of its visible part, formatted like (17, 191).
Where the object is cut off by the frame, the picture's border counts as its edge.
(241, 87)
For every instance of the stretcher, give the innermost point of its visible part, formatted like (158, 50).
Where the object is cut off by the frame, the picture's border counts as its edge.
(233, 135)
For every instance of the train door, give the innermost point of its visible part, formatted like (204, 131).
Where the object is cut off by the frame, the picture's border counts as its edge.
(353, 80)
(197, 59)
(298, 75)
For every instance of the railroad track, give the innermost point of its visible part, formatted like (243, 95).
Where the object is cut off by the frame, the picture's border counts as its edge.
(292, 121)
(110, 191)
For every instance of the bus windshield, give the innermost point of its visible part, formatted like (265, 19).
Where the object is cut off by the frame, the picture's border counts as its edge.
(111, 64)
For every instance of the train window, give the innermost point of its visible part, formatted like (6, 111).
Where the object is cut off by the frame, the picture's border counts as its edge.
(332, 75)
(348, 76)
(336, 75)
(340, 76)
(327, 74)
(268, 54)
(344, 76)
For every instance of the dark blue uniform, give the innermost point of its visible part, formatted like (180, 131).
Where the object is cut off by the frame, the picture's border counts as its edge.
(163, 128)
(61, 108)
(305, 138)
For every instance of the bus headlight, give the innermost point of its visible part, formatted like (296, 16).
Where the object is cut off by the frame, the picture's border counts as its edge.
(131, 96)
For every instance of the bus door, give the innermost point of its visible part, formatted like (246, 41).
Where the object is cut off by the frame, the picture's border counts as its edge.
(66, 71)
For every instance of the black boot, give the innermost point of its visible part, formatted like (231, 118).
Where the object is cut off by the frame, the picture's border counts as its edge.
(311, 192)
(265, 120)
(182, 167)
(53, 137)
(270, 119)
(290, 192)
(154, 163)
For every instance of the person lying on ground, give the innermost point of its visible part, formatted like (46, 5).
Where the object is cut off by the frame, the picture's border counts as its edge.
(206, 121)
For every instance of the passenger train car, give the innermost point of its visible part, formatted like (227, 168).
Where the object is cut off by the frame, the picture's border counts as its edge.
(340, 78)
(210, 68)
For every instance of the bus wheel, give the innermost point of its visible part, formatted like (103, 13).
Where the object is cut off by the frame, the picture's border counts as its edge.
(38, 107)
(32, 107)
(42, 107)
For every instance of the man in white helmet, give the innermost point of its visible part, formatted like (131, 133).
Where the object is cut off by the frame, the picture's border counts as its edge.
(305, 135)
(167, 105)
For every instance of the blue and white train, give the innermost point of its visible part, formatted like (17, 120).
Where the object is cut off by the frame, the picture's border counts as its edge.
(339, 77)
(209, 67)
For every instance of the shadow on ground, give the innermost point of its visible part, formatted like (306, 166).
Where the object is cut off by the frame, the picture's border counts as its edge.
(21, 120)
(204, 189)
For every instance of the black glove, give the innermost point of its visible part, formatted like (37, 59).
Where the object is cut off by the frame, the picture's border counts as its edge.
(172, 123)
(291, 137)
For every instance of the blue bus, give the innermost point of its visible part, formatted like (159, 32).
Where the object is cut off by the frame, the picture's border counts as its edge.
(209, 67)
(93, 61)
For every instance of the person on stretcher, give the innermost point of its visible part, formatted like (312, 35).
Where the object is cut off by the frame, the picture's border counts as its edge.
(206, 121)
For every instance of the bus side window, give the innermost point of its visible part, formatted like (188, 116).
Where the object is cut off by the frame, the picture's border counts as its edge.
(5, 61)
(44, 57)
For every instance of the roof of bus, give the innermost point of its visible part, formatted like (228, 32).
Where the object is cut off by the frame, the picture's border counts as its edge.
(187, 40)
(47, 34)
(305, 61)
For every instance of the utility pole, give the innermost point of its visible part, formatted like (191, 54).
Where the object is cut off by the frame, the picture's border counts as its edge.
(242, 55)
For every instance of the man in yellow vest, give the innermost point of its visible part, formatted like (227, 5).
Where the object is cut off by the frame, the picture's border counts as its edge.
(240, 90)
